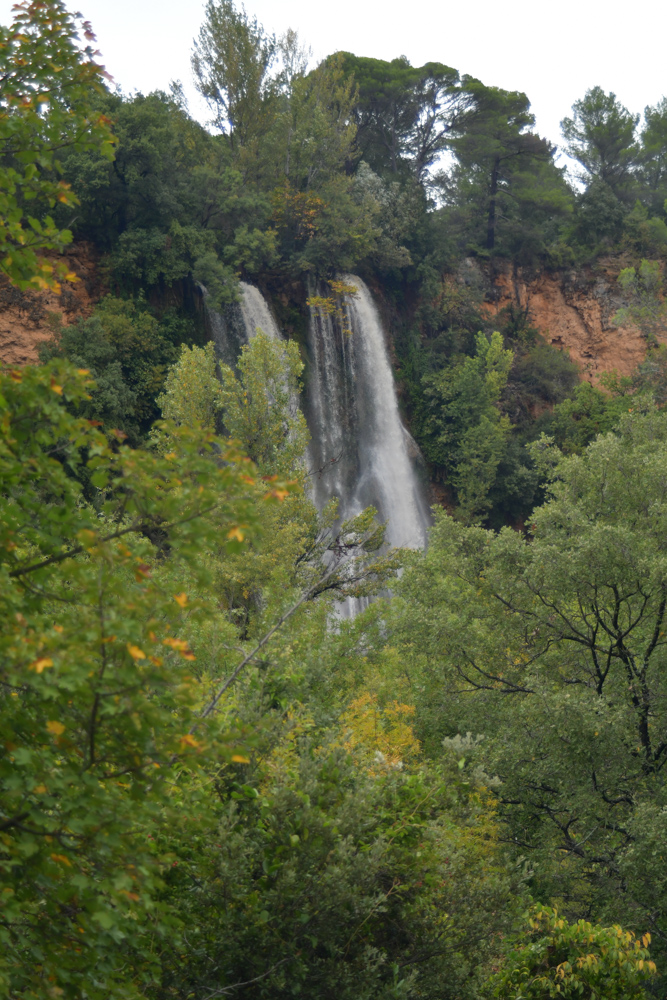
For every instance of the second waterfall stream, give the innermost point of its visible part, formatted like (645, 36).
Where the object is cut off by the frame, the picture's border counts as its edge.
(360, 450)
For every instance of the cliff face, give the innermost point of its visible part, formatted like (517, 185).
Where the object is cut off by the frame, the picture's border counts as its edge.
(573, 310)
(24, 315)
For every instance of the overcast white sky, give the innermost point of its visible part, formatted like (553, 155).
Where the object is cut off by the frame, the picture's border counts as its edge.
(553, 51)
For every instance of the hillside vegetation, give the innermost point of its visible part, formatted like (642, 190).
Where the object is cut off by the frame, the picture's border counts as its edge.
(210, 783)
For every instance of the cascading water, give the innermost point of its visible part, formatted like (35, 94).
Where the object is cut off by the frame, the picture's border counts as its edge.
(239, 323)
(360, 450)
(256, 313)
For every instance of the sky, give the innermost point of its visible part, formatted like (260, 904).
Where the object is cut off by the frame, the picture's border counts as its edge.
(552, 51)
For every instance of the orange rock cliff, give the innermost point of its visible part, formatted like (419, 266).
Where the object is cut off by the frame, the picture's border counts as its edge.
(573, 310)
(24, 315)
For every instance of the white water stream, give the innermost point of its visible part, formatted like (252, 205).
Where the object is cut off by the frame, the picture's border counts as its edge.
(256, 313)
(360, 449)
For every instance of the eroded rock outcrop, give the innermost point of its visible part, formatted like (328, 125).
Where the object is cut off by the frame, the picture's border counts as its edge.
(24, 315)
(574, 311)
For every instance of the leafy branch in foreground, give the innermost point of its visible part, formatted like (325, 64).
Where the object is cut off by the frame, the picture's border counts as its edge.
(47, 88)
(97, 689)
(556, 958)
(106, 609)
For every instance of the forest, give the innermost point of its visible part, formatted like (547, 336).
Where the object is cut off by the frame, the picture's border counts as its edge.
(214, 783)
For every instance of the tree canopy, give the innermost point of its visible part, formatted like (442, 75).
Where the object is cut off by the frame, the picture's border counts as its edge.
(212, 783)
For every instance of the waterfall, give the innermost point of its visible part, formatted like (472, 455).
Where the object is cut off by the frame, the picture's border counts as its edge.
(256, 313)
(238, 324)
(360, 450)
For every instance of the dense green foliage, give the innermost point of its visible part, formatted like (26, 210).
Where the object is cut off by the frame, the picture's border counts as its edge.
(210, 783)
(579, 959)
(420, 177)
(127, 350)
(548, 653)
(48, 86)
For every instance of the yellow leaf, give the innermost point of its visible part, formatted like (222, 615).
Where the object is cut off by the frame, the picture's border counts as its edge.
(181, 646)
(39, 789)
(238, 759)
(55, 728)
(135, 652)
(57, 388)
(178, 644)
(235, 533)
(41, 664)
(83, 371)
(189, 741)
(62, 859)
(181, 599)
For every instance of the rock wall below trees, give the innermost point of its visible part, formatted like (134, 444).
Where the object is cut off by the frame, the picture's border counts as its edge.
(24, 316)
(573, 310)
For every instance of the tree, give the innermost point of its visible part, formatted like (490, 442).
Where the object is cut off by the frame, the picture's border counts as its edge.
(325, 220)
(232, 59)
(47, 89)
(589, 411)
(461, 428)
(329, 876)
(127, 678)
(404, 114)
(98, 694)
(549, 653)
(600, 135)
(192, 391)
(149, 184)
(156, 259)
(260, 407)
(559, 959)
(127, 352)
(599, 217)
(504, 173)
(313, 131)
(385, 109)
(653, 158)
(173, 210)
